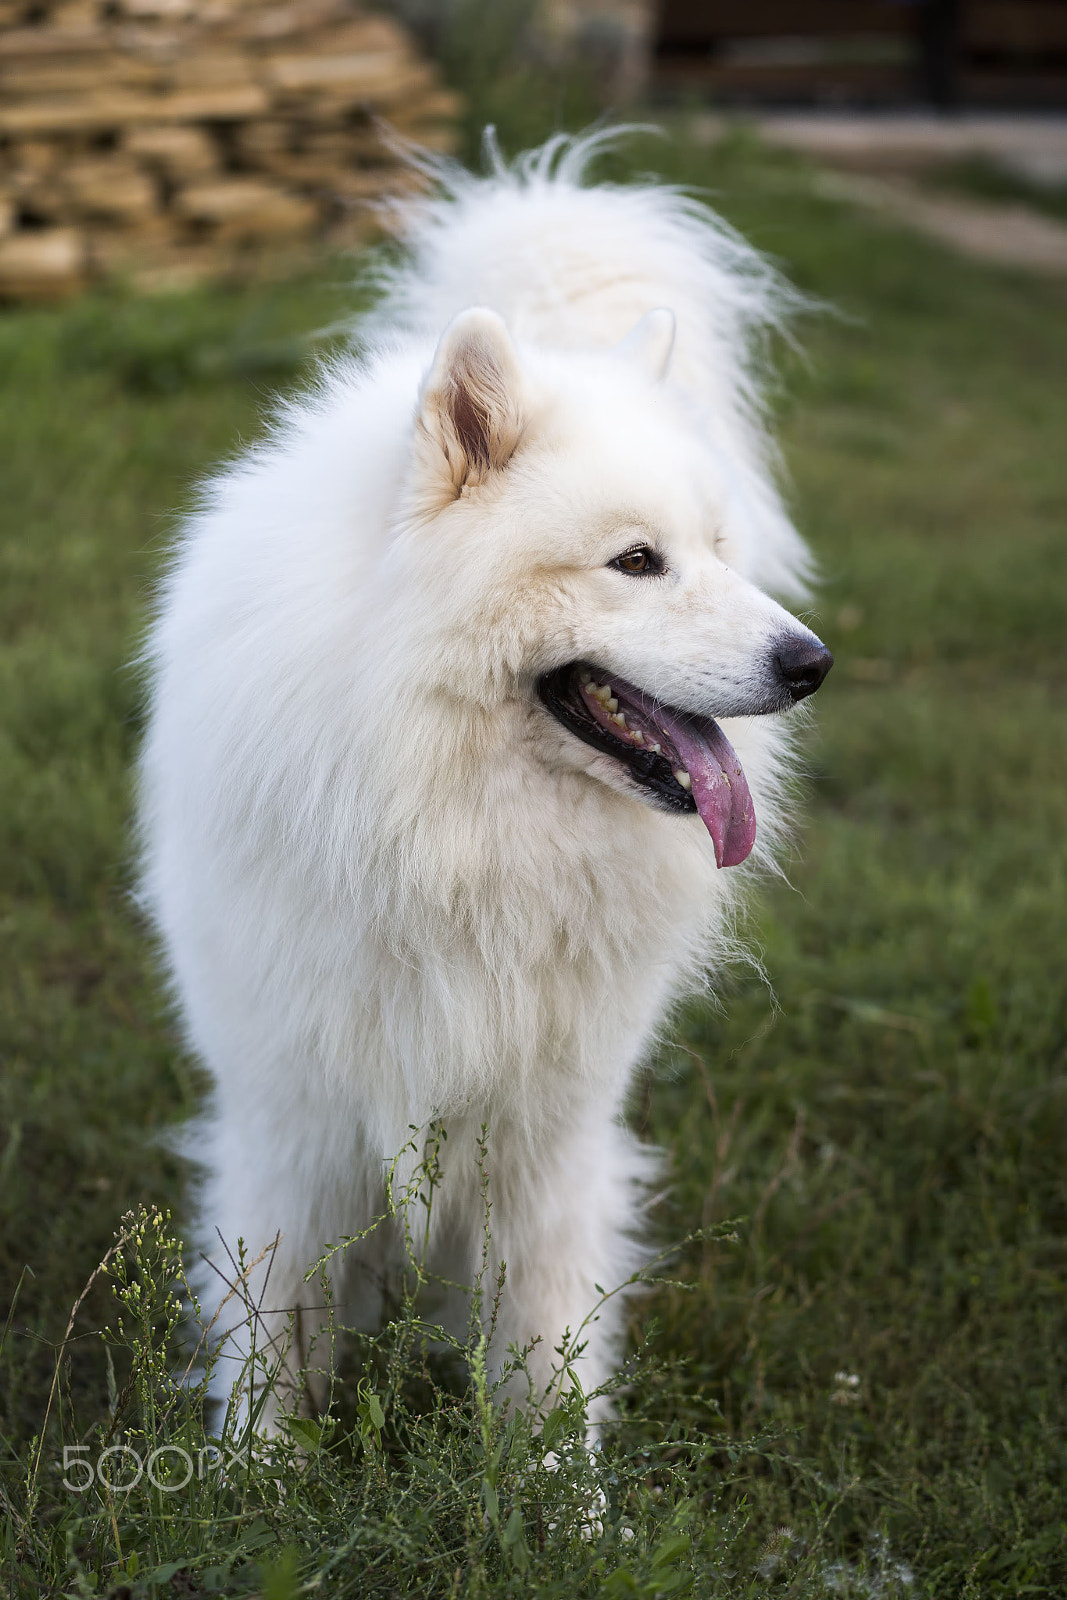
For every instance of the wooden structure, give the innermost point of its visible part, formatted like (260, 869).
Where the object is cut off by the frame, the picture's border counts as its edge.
(167, 140)
(943, 52)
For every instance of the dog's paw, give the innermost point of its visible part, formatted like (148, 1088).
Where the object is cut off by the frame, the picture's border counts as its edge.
(591, 1519)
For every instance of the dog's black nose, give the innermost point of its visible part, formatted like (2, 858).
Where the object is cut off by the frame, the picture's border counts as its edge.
(803, 666)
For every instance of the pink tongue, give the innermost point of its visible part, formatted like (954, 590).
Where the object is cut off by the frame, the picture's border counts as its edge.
(720, 787)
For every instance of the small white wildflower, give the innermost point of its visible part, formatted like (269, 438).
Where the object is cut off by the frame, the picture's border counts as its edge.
(847, 1391)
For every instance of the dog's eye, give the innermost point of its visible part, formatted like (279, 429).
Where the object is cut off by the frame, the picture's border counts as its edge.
(642, 560)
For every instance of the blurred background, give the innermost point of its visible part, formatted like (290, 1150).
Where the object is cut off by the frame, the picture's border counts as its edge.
(168, 141)
(861, 1388)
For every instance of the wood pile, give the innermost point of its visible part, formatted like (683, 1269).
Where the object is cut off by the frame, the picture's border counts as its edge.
(169, 140)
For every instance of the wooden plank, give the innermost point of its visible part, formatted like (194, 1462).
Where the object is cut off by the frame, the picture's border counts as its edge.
(179, 151)
(305, 28)
(246, 208)
(173, 11)
(368, 74)
(164, 238)
(377, 183)
(1014, 27)
(35, 155)
(113, 70)
(319, 174)
(32, 43)
(39, 196)
(221, 104)
(403, 87)
(802, 82)
(74, 14)
(117, 110)
(42, 264)
(350, 36)
(277, 22)
(338, 144)
(110, 188)
(705, 20)
(1027, 90)
(204, 67)
(264, 137)
(359, 179)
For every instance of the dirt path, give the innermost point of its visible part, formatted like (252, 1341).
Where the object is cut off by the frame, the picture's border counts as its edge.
(1008, 235)
(873, 157)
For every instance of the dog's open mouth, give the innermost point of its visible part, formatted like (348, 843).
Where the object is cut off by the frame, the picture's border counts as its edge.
(685, 762)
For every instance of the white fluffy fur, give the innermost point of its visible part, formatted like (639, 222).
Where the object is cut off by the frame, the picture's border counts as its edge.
(389, 886)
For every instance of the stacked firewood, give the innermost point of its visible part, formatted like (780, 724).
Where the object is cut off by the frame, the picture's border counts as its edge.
(169, 140)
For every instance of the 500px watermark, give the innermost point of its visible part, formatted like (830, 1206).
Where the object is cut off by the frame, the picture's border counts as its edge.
(120, 1467)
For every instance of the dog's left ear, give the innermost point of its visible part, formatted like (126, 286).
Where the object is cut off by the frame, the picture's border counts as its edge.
(651, 343)
(470, 418)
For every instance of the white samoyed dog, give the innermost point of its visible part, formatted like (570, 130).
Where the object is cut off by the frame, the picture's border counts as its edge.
(465, 723)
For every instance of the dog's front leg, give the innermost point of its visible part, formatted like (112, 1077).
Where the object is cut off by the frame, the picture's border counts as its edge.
(564, 1224)
(288, 1191)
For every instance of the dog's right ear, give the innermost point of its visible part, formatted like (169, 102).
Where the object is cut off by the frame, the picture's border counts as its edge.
(470, 418)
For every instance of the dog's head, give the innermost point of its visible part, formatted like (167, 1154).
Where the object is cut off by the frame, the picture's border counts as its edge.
(579, 535)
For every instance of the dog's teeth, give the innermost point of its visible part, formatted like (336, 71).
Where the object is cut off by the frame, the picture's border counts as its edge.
(637, 736)
(611, 703)
(620, 718)
(657, 748)
(601, 691)
(682, 777)
(585, 677)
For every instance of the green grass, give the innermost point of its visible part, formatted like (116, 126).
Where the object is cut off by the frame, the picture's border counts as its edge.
(979, 178)
(885, 1134)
